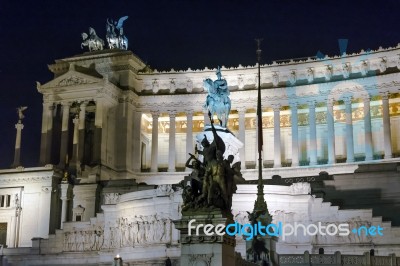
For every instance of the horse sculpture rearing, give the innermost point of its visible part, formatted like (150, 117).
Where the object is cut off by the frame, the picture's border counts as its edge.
(217, 101)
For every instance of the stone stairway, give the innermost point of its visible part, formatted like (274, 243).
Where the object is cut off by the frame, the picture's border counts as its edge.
(371, 186)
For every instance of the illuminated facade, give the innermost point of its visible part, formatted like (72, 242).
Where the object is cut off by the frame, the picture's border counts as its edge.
(127, 128)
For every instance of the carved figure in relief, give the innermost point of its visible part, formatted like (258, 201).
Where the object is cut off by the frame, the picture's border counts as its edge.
(135, 230)
(218, 101)
(92, 41)
(167, 232)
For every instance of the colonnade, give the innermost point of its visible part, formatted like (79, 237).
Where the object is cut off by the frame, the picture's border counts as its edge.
(295, 152)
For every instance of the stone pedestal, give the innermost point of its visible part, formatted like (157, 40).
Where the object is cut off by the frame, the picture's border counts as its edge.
(232, 144)
(202, 249)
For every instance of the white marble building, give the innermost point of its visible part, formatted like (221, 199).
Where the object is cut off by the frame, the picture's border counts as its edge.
(127, 131)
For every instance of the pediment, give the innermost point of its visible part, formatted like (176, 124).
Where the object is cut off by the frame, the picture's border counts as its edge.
(71, 78)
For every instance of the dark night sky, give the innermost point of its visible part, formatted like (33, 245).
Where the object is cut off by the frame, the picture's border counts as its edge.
(172, 34)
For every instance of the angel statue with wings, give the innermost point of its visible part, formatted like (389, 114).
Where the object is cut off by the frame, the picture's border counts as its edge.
(115, 34)
(20, 113)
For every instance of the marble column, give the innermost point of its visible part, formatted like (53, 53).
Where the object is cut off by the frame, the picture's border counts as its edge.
(331, 131)
(75, 140)
(387, 138)
(172, 146)
(313, 133)
(154, 142)
(64, 133)
(46, 137)
(17, 155)
(349, 130)
(295, 134)
(81, 139)
(369, 153)
(137, 144)
(98, 133)
(64, 186)
(242, 136)
(189, 133)
(206, 118)
(277, 135)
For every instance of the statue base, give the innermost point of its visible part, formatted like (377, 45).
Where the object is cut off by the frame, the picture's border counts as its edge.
(232, 144)
(198, 248)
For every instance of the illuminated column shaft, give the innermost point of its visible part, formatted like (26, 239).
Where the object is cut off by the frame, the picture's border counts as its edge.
(368, 129)
(277, 136)
(295, 134)
(17, 154)
(64, 200)
(242, 136)
(137, 149)
(64, 133)
(313, 133)
(81, 139)
(349, 131)
(331, 133)
(75, 140)
(46, 137)
(154, 142)
(387, 138)
(189, 133)
(206, 118)
(172, 133)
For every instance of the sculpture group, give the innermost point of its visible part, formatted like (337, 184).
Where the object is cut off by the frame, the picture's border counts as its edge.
(115, 36)
(213, 179)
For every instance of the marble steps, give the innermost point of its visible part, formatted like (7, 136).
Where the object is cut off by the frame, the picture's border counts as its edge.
(371, 186)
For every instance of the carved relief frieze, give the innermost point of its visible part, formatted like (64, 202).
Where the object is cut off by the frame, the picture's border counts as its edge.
(19, 179)
(205, 258)
(138, 231)
(111, 198)
(73, 80)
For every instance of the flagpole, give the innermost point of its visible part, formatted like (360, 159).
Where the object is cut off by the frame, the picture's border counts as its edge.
(260, 206)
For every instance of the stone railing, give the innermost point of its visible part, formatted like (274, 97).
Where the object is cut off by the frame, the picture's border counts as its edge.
(239, 261)
(337, 259)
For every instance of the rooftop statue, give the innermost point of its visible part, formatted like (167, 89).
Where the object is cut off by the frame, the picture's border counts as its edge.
(92, 41)
(20, 113)
(218, 101)
(115, 34)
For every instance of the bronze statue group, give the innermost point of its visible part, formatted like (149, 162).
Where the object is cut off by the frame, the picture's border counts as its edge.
(213, 180)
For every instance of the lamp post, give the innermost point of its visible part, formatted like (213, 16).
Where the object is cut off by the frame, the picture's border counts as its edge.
(117, 260)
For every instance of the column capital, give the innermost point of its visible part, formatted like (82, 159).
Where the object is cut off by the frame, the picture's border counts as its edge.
(366, 97)
(330, 102)
(172, 113)
(311, 104)
(155, 114)
(276, 107)
(241, 110)
(293, 105)
(19, 126)
(189, 112)
(66, 104)
(385, 95)
(347, 100)
(83, 104)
